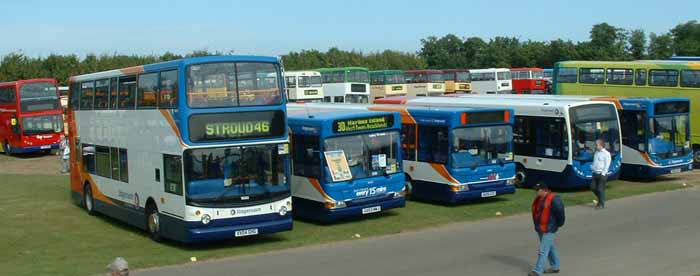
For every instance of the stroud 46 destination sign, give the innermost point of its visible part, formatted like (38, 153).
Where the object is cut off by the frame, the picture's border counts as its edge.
(362, 124)
(236, 126)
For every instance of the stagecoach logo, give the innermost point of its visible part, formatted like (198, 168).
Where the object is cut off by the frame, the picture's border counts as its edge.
(551, 110)
(244, 212)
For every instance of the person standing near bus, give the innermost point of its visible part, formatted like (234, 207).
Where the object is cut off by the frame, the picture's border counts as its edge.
(600, 166)
(65, 154)
(548, 216)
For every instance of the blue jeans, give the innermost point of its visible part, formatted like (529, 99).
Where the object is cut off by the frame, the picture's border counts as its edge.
(547, 251)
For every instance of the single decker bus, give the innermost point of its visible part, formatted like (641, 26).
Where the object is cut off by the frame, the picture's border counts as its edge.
(194, 149)
(346, 163)
(554, 140)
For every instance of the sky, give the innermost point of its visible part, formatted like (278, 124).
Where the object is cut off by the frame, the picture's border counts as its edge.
(40, 28)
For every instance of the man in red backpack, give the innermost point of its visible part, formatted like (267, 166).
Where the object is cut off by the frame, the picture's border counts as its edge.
(548, 216)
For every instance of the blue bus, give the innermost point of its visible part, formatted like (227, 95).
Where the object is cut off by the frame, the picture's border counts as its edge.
(655, 136)
(452, 155)
(191, 150)
(346, 163)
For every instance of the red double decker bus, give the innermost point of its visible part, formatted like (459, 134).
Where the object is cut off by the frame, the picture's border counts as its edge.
(528, 81)
(31, 117)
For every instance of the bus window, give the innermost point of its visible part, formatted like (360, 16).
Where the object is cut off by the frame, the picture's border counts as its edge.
(147, 91)
(168, 89)
(114, 159)
(102, 162)
(503, 76)
(257, 84)
(592, 75)
(172, 173)
(113, 93)
(7, 95)
(641, 77)
(124, 165)
(663, 78)
(127, 92)
(619, 76)
(634, 127)
(408, 141)
(566, 75)
(433, 143)
(291, 82)
(690, 78)
(87, 92)
(101, 94)
(88, 158)
(541, 137)
(306, 158)
(368, 154)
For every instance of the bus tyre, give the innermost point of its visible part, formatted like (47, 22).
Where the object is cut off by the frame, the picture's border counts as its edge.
(696, 158)
(88, 200)
(520, 176)
(153, 222)
(408, 187)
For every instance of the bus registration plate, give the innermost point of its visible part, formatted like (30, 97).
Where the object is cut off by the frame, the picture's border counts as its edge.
(246, 232)
(370, 210)
(678, 170)
(46, 147)
(488, 194)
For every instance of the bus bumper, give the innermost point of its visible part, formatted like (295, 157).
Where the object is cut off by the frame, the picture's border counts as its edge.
(222, 229)
(648, 172)
(15, 150)
(355, 208)
(444, 193)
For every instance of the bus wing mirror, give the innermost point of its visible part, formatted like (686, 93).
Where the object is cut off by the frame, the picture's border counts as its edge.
(15, 125)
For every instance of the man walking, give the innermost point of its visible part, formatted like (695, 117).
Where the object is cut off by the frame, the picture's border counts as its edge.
(547, 215)
(600, 166)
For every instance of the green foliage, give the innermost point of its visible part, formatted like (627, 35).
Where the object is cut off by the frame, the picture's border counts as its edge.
(606, 42)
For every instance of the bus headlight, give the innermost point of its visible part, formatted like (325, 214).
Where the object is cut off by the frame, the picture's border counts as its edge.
(510, 181)
(206, 219)
(398, 194)
(283, 210)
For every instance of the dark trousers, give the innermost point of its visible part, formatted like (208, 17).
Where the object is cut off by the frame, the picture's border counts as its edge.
(598, 187)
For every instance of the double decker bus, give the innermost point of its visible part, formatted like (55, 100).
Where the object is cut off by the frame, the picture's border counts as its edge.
(457, 81)
(491, 81)
(30, 116)
(451, 154)
(191, 150)
(644, 78)
(346, 163)
(554, 140)
(387, 83)
(345, 84)
(303, 86)
(528, 80)
(425, 83)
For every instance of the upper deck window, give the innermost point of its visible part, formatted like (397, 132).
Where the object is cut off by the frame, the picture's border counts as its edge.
(566, 74)
(233, 84)
(663, 78)
(38, 96)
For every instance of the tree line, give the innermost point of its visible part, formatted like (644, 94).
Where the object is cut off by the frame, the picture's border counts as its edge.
(606, 42)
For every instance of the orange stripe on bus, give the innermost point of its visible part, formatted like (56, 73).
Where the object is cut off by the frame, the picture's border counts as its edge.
(440, 168)
(132, 70)
(648, 159)
(171, 122)
(317, 185)
(406, 117)
(613, 100)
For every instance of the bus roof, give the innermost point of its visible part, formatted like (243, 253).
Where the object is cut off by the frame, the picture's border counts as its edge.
(173, 64)
(536, 69)
(489, 70)
(686, 58)
(20, 82)
(455, 70)
(671, 63)
(424, 71)
(387, 72)
(335, 69)
(302, 73)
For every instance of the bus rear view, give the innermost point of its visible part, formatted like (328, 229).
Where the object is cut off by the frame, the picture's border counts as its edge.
(345, 164)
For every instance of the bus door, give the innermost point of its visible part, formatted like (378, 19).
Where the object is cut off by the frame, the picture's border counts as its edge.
(170, 178)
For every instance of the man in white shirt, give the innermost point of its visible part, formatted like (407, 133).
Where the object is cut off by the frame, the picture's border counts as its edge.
(600, 166)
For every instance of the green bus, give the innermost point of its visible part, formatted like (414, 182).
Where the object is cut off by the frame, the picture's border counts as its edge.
(643, 78)
(345, 84)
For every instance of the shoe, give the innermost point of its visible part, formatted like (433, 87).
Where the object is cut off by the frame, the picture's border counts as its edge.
(551, 271)
(532, 273)
(598, 207)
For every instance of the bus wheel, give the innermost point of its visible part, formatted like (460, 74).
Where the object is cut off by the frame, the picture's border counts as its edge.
(153, 221)
(697, 158)
(520, 176)
(408, 187)
(88, 201)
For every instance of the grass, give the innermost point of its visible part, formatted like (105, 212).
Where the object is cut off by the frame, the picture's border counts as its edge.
(46, 234)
